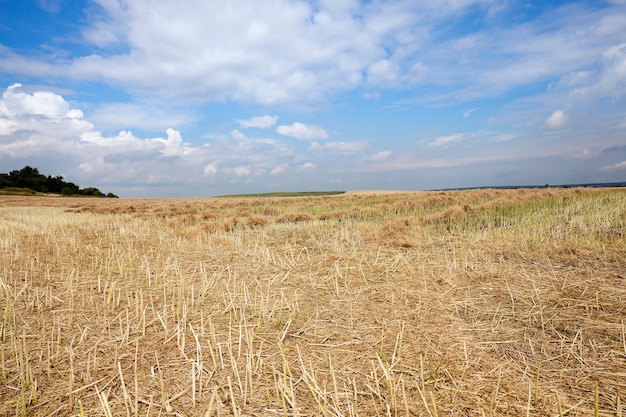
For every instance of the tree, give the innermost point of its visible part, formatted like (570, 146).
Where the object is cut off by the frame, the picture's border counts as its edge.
(92, 191)
(54, 184)
(29, 177)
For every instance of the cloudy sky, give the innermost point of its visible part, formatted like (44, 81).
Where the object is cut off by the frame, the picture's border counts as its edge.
(161, 98)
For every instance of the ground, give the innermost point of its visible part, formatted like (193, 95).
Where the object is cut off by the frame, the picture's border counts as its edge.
(482, 302)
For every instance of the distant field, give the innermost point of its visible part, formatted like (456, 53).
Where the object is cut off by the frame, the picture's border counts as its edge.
(457, 303)
(286, 194)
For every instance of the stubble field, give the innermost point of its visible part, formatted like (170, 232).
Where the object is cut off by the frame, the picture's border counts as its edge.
(459, 303)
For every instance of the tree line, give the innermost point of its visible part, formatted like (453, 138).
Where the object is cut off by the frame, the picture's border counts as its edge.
(29, 177)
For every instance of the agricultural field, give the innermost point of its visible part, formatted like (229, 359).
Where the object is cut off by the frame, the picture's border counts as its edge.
(456, 303)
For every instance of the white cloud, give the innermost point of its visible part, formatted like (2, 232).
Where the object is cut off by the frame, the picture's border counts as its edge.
(574, 44)
(382, 71)
(613, 81)
(613, 167)
(236, 134)
(210, 169)
(447, 140)
(586, 153)
(145, 115)
(570, 57)
(345, 147)
(307, 166)
(609, 80)
(265, 51)
(242, 171)
(50, 105)
(292, 51)
(573, 79)
(41, 129)
(315, 146)
(126, 142)
(41, 111)
(268, 51)
(287, 51)
(174, 144)
(302, 131)
(258, 121)
(556, 120)
(278, 170)
(468, 112)
(380, 156)
(494, 137)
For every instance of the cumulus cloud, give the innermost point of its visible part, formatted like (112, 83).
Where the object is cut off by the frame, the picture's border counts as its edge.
(262, 122)
(556, 120)
(41, 117)
(41, 129)
(302, 131)
(18, 103)
(281, 52)
(127, 142)
(45, 119)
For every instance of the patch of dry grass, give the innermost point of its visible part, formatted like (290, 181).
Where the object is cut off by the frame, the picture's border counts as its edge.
(484, 302)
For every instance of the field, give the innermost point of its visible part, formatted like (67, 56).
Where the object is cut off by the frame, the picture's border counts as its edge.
(456, 303)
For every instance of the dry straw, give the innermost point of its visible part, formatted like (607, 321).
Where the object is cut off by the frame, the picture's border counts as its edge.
(485, 302)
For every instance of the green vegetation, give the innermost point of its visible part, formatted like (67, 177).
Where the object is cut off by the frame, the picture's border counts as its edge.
(28, 181)
(17, 191)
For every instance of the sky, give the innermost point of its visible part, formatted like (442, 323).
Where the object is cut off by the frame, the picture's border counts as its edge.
(192, 98)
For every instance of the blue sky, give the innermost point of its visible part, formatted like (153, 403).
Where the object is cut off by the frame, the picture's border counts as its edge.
(154, 98)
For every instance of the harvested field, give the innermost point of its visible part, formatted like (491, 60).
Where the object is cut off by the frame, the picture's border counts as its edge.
(456, 303)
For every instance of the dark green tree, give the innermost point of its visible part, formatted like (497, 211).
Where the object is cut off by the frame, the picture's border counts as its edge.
(29, 177)
(92, 191)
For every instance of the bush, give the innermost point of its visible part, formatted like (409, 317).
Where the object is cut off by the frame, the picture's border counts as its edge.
(92, 191)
